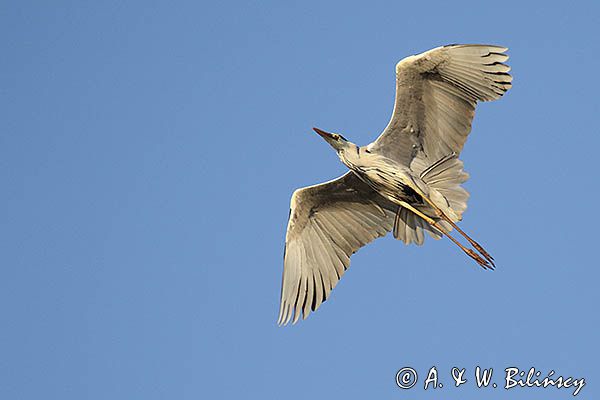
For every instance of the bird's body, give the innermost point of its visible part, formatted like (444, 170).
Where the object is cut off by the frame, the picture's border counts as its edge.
(385, 176)
(408, 181)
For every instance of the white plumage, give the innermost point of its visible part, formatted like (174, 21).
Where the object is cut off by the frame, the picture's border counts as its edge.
(408, 181)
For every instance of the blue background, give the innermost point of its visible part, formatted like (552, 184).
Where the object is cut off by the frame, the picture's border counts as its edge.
(148, 152)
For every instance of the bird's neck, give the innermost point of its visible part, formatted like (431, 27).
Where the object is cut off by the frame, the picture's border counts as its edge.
(350, 156)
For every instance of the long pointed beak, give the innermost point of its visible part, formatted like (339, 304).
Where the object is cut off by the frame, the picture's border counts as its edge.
(323, 134)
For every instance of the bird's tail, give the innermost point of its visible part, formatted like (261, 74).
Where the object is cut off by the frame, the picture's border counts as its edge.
(441, 180)
(444, 178)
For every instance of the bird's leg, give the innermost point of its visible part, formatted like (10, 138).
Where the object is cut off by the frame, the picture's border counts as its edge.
(483, 263)
(442, 215)
(473, 242)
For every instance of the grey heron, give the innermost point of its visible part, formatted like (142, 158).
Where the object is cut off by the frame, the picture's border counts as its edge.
(408, 181)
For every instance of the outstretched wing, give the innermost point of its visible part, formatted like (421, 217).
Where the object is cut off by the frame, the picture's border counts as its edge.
(328, 223)
(436, 94)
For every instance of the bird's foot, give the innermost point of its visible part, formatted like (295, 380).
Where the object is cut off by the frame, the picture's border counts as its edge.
(484, 253)
(483, 263)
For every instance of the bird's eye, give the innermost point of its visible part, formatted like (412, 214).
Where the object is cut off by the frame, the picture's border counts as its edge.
(336, 137)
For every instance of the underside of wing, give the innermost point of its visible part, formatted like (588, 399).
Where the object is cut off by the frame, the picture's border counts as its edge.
(436, 95)
(328, 223)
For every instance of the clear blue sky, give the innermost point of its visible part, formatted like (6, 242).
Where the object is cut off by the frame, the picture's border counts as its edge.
(148, 152)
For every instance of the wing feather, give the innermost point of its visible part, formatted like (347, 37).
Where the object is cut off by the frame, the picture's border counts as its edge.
(436, 95)
(328, 223)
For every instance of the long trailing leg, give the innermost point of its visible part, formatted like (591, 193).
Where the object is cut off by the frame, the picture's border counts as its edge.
(442, 215)
(473, 242)
(483, 263)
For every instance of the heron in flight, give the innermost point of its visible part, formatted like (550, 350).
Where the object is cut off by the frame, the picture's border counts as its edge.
(408, 181)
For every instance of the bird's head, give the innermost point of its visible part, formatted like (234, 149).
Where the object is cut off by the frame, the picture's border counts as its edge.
(337, 141)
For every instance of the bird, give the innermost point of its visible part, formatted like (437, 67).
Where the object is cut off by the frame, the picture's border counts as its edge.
(408, 181)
